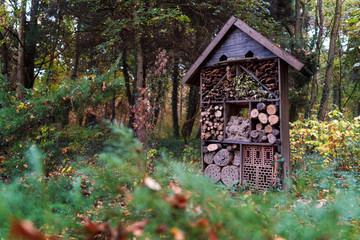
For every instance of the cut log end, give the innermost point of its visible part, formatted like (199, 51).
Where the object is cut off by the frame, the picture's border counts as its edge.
(214, 147)
(209, 157)
(271, 138)
(213, 172)
(230, 175)
(273, 119)
(263, 118)
(254, 113)
(223, 157)
(271, 109)
(261, 106)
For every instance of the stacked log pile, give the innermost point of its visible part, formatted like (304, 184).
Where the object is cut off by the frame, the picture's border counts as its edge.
(212, 122)
(238, 128)
(266, 121)
(266, 72)
(222, 163)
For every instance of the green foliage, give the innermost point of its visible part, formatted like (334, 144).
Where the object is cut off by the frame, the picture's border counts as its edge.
(337, 140)
(176, 201)
(42, 118)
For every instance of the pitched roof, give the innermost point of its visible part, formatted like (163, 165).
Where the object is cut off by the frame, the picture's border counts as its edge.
(192, 74)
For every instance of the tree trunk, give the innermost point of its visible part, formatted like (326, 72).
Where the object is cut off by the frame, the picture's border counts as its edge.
(31, 42)
(128, 91)
(331, 55)
(77, 52)
(174, 98)
(140, 80)
(297, 19)
(21, 52)
(192, 108)
(314, 83)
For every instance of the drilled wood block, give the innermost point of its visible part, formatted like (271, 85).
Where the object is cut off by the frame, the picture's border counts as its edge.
(230, 175)
(213, 172)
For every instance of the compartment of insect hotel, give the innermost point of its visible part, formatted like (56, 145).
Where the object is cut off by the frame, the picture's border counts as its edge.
(237, 121)
(265, 122)
(222, 162)
(212, 122)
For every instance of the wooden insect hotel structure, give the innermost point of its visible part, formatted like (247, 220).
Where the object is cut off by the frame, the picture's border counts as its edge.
(244, 107)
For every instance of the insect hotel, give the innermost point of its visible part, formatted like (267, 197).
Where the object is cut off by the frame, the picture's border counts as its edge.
(244, 107)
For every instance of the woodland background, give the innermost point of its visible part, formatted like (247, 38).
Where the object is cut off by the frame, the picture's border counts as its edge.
(72, 68)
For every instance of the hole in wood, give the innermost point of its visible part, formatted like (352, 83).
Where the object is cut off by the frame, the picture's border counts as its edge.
(223, 58)
(257, 154)
(249, 54)
(268, 155)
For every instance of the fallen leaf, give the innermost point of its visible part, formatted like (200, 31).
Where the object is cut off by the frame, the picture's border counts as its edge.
(137, 228)
(25, 230)
(161, 228)
(94, 228)
(178, 234)
(152, 184)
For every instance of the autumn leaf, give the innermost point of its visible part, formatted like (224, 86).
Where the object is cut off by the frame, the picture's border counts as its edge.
(94, 228)
(178, 234)
(177, 201)
(161, 228)
(25, 230)
(137, 228)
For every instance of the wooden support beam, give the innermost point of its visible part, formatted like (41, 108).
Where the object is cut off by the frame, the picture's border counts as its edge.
(284, 121)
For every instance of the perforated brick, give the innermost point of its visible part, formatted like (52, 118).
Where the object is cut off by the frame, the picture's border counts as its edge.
(258, 172)
(247, 155)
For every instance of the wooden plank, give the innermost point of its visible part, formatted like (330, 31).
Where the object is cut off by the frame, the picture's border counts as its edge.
(240, 142)
(241, 101)
(237, 43)
(284, 120)
(194, 70)
(241, 166)
(270, 45)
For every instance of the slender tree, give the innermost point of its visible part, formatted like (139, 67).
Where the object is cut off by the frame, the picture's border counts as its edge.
(330, 61)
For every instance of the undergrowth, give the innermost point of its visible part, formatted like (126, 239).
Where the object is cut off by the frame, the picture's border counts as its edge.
(127, 192)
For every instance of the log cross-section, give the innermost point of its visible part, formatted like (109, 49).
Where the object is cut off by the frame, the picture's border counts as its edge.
(223, 157)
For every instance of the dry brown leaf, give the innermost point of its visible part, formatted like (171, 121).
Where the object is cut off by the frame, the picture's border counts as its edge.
(201, 222)
(212, 235)
(25, 230)
(161, 228)
(137, 228)
(176, 189)
(94, 228)
(119, 233)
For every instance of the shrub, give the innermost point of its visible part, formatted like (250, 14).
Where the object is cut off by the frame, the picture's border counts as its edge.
(337, 140)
